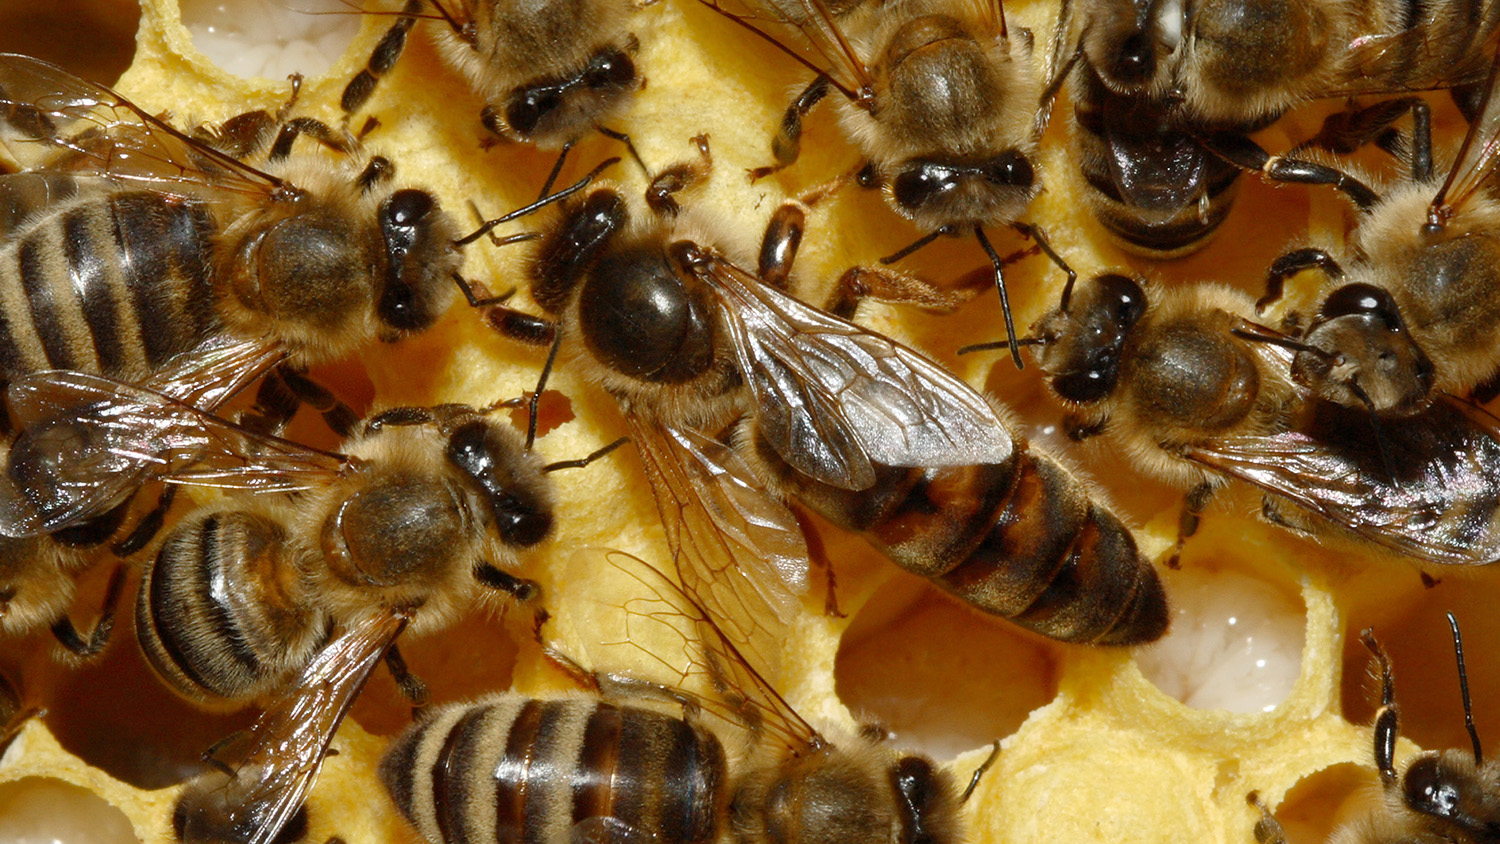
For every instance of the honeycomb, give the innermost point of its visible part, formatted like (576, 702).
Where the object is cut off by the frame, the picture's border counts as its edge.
(1262, 685)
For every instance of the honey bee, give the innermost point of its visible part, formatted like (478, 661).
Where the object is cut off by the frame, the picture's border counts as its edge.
(549, 73)
(939, 96)
(854, 424)
(428, 512)
(1194, 396)
(1442, 796)
(165, 261)
(1164, 92)
(1411, 314)
(509, 768)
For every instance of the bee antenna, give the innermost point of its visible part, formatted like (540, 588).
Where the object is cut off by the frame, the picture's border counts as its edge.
(536, 206)
(584, 461)
(1004, 344)
(979, 772)
(1010, 327)
(1282, 341)
(1463, 687)
(916, 245)
(541, 385)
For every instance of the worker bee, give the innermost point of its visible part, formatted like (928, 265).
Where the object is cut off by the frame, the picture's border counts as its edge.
(940, 97)
(1442, 797)
(1197, 394)
(179, 266)
(549, 73)
(852, 423)
(335, 556)
(513, 768)
(1412, 313)
(1162, 90)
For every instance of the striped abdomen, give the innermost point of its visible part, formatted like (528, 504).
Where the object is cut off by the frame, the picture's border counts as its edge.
(1020, 539)
(220, 615)
(114, 284)
(512, 770)
(1148, 181)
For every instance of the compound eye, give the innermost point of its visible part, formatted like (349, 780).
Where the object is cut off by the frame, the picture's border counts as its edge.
(528, 109)
(1363, 300)
(1429, 791)
(1135, 60)
(406, 208)
(610, 70)
(520, 525)
(1013, 169)
(1123, 297)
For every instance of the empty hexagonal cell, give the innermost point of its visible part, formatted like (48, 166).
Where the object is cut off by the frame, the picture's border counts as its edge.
(38, 810)
(942, 677)
(1235, 643)
(268, 38)
(1324, 801)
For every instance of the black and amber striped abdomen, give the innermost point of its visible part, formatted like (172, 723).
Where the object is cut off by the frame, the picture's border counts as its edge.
(220, 615)
(1022, 540)
(509, 769)
(114, 284)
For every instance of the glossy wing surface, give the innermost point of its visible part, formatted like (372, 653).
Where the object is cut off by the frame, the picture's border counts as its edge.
(288, 743)
(1441, 506)
(1479, 153)
(88, 442)
(832, 397)
(51, 120)
(710, 655)
(739, 549)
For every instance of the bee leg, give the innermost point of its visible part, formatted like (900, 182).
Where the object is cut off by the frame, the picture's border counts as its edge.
(1242, 152)
(887, 285)
(661, 194)
(779, 245)
(1079, 428)
(1289, 265)
(148, 526)
(379, 171)
(629, 147)
(86, 648)
(412, 688)
(787, 144)
(359, 89)
(521, 326)
(1388, 719)
(312, 128)
(339, 416)
(1267, 830)
(1347, 131)
(1193, 506)
(979, 772)
(1485, 391)
(557, 166)
(501, 581)
(240, 136)
(1469, 99)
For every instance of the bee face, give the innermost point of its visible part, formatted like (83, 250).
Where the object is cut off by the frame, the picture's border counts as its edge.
(566, 107)
(1086, 340)
(420, 259)
(517, 502)
(952, 191)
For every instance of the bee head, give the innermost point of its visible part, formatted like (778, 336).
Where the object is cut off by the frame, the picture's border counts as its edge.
(420, 259)
(1360, 354)
(493, 458)
(1080, 343)
(1129, 44)
(936, 193)
(1448, 790)
(557, 109)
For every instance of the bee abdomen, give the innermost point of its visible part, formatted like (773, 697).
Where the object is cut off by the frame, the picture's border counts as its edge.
(512, 770)
(115, 285)
(213, 615)
(1021, 540)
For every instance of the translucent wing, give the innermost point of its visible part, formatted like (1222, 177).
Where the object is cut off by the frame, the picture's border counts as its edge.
(288, 742)
(1447, 52)
(1480, 150)
(211, 374)
(832, 397)
(51, 120)
(1441, 506)
(739, 549)
(710, 654)
(808, 31)
(609, 830)
(89, 442)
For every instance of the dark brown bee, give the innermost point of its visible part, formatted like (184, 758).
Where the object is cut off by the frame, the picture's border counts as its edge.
(940, 97)
(1190, 390)
(509, 769)
(1442, 797)
(549, 73)
(1410, 312)
(855, 425)
(1161, 89)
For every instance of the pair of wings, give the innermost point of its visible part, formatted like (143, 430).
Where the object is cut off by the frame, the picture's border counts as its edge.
(809, 32)
(54, 122)
(835, 401)
(88, 442)
(1443, 505)
(281, 757)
